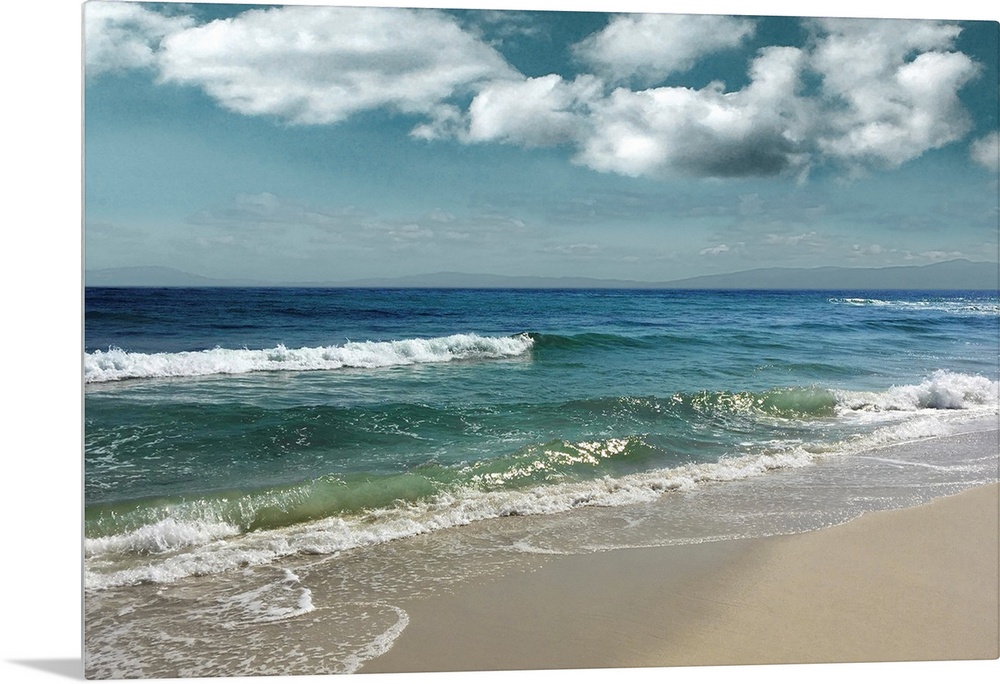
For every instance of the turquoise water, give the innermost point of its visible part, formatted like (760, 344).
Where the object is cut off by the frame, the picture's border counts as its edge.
(227, 427)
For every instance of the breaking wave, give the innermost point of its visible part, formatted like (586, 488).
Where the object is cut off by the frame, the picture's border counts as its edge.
(117, 364)
(971, 306)
(176, 537)
(942, 390)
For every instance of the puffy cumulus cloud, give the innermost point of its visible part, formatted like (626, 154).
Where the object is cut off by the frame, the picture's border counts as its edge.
(534, 111)
(890, 88)
(986, 151)
(755, 131)
(861, 94)
(864, 53)
(531, 112)
(649, 47)
(319, 65)
(119, 36)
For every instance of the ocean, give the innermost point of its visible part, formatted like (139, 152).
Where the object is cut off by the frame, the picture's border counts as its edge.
(269, 472)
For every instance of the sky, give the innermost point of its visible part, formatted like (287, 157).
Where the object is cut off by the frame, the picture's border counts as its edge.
(305, 143)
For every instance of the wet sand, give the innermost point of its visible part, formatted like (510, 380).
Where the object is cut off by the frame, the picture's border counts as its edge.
(913, 584)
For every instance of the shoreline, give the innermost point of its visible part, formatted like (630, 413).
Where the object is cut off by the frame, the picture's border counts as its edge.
(908, 584)
(654, 588)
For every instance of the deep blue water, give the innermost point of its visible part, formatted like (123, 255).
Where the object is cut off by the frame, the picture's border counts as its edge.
(215, 413)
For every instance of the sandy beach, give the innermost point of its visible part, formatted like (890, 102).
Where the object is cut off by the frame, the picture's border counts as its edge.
(904, 585)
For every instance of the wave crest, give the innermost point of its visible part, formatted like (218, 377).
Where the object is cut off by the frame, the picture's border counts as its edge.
(942, 390)
(117, 364)
(964, 306)
(161, 536)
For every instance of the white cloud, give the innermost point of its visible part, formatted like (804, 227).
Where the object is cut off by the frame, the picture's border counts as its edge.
(707, 132)
(319, 65)
(890, 88)
(790, 240)
(879, 92)
(652, 46)
(445, 121)
(120, 35)
(532, 112)
(579, 249)
(715, 251)
(941, 255)
(499, 26)
(887, 92)
(986, 151)
(873, 249)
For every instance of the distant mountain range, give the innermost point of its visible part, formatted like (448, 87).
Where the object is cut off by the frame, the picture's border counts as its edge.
(959, 274)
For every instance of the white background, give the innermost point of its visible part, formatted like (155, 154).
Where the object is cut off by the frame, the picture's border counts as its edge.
(41, 324)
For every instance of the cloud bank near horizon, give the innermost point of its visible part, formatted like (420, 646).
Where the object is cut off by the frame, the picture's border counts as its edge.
(858, 95)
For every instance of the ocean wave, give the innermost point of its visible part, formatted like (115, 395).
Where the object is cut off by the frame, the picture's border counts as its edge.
(783, 402)
(168, 524)
(962, 306)
(274, 601)
(941, 390)
(454, 507)
(166, 540)
(117, 364)
(161, 536)
(595, 340)
(715, 405)
(646, 433)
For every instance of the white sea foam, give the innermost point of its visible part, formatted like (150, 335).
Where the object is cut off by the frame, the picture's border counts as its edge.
(942, 390)
(467, 505)
(380, 644)
(931, 408)
(280, 599)
(164, 535)
(918, 428)
(117, 364)
(962, 306)
(450, 509)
